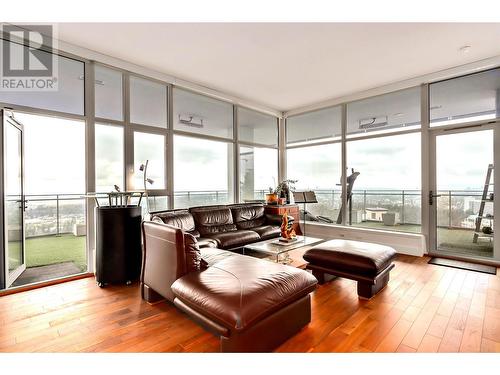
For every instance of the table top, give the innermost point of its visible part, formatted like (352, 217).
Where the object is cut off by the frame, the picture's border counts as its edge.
(275, 247)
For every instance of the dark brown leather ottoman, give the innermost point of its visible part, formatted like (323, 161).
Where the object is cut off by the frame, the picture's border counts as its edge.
(367, 263)
(252, 305)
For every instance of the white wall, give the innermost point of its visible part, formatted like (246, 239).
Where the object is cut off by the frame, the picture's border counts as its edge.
(403, 243)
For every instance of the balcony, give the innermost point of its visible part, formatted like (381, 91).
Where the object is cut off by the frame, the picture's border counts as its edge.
(55, 237)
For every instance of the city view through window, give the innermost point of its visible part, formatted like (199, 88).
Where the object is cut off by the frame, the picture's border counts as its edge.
(55, 225)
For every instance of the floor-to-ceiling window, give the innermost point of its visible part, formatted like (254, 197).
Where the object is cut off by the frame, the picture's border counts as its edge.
(258, 153)
(203, 150)
(382, 143)
(383, 151)
(314, 160)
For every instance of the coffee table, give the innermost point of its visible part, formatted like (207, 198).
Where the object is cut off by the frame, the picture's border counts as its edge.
(281, 252)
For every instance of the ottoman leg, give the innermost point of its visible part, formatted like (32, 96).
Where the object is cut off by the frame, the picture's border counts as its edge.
(322, 276)
(319, 275)
(367, 290)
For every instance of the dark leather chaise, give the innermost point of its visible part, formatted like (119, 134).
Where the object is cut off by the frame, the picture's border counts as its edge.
(253, 305)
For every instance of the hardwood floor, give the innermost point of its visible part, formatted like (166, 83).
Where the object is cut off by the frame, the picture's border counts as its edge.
(424, 308)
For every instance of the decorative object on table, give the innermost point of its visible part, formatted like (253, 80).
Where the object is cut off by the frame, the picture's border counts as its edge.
(271, 197)
(287, 232)
(144, 168)
(305, 197)
(281, 201)
(291, 209)
(487, 230)
(285, 189)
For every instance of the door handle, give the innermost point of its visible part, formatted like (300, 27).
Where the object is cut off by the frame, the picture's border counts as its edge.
(432, 196)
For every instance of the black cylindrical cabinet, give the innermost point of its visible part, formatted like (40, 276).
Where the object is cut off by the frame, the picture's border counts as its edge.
(118, 244)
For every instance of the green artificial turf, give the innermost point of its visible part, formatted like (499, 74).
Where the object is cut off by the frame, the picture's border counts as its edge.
(42, 251)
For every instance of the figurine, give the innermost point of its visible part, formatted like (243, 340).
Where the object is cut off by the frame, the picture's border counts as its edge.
(287, 231)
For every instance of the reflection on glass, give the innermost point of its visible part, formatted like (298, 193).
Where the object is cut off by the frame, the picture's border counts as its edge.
(149, 147)
(258, 172)
(202, 172)
(462, 162)
(108, 157)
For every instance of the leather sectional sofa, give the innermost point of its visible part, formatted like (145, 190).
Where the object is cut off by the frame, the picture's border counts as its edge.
(225, 227)
(253, 305)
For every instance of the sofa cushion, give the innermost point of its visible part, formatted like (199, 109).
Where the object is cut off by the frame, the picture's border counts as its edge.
(181, 219)
(234, 239)
(213, 220)
(248, 216)
(239, 291)
(204, 242)
(267, 231)
(351, 256)
(211, 255)
(193, 255)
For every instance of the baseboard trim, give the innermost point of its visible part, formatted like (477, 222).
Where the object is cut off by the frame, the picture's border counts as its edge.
(45, 283)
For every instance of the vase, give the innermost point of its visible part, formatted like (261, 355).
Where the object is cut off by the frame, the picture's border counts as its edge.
(272, 198)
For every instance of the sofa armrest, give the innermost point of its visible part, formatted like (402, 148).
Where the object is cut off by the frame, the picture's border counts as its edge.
(164, 259)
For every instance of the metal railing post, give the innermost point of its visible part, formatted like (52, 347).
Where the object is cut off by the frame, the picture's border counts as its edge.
(364, 201)
(403, 207)
(449, 209)
(57, 215)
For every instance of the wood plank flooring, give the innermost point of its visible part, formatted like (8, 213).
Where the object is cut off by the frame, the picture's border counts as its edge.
(424, 308)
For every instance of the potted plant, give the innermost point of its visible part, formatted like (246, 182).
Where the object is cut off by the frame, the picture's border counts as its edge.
(271, 197)
(285, 189)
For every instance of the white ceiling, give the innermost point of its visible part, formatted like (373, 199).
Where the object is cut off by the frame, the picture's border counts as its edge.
(289, 65)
